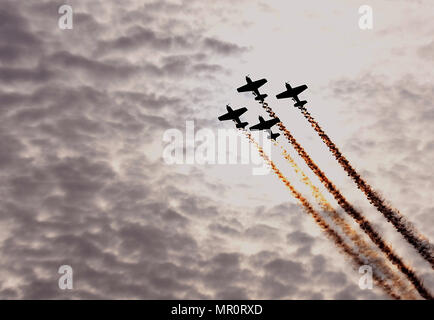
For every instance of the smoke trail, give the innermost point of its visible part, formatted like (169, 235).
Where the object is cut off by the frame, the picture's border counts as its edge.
(419, 242)
(363, 223)
(340, 243)
(363, 247)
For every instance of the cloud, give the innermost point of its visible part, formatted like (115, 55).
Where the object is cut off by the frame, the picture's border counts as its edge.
(144, 37)
(98, 69)
(222, 47)
(286, 270)
(83, 183)
(427, 51)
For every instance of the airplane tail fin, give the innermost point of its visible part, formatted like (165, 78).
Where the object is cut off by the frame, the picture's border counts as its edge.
(261, 97)
(273, 136)
(300, 104)
(242, 125)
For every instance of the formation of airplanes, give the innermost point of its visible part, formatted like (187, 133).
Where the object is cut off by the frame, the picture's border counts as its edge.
(254, 86)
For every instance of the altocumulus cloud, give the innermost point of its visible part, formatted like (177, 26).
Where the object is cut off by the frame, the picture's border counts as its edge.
(77, 109)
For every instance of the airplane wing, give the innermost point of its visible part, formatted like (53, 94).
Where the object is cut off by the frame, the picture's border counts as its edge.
(239, 112)
(226, 116)
(297, 90)
(252, 86)
(284, 94)
(258, 126)
(272, 122)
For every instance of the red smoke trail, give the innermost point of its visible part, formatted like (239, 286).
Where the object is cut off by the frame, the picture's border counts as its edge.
(363, 247)
(419, 242)
(348, 208)
(340, 243)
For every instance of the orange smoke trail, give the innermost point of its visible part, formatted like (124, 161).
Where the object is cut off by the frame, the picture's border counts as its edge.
(419, 242)
(362, 245)
(340, 243)
(364, 224)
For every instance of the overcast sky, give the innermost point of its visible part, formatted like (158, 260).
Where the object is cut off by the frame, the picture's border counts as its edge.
(82, 118)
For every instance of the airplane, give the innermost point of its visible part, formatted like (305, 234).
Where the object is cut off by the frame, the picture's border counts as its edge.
(254, 86)
(293, 93)
(235, 116)
(273, 136)
(265, 125)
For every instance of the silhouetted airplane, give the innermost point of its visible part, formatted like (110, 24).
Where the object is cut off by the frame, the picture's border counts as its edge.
(273, 136)
(235, 116)
(265, 125)
(293, 93)
(254, 86)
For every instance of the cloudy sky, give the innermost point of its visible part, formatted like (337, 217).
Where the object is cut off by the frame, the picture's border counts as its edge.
(83, 113)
